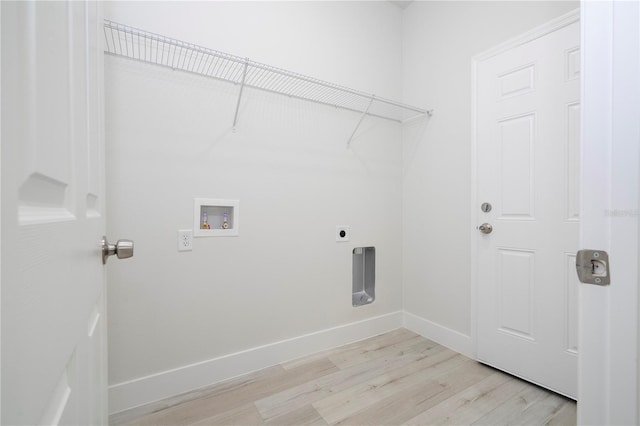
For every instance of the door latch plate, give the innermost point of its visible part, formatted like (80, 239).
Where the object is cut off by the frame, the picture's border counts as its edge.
(593, 267)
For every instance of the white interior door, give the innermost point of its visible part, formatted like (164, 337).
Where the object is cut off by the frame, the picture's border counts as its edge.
(53, 302)
(527, 112)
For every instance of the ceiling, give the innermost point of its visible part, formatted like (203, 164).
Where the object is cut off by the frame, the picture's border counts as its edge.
(402, 4)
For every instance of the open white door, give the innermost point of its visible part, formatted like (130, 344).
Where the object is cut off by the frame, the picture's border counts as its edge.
(53, 301)
(527, 152)
(608, 318)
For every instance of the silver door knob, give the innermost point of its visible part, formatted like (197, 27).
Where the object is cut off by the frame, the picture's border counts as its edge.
(485, 228)
(123, 249)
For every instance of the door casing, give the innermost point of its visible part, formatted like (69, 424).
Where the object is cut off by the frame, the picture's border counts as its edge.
(610, 193)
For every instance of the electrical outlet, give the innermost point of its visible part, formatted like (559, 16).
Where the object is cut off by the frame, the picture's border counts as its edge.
(185, 240)
(343, 233)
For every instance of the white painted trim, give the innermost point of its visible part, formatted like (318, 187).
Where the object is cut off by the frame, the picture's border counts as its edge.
(0, 212)
(474, 215)
(608, 316)
(440, 334)
(531, 35)
(145, 390)
(534, 34)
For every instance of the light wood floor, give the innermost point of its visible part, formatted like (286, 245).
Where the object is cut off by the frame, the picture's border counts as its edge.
(397, 378)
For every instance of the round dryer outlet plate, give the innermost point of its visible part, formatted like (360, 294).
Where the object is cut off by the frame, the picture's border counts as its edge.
(343, 233)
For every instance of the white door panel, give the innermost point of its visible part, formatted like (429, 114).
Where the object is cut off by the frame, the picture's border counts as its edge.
(527, 117)
(53, 322)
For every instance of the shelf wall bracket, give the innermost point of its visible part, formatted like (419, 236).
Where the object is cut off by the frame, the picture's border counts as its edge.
(244, 76)
(364, 114)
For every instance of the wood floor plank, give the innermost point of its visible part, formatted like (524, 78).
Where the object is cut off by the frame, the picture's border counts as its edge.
(566, 415)
(147, 413)
(514, 408)
(236, 394)
(362, 354)
(244, 415)
(299, 396)
(305, 416)
(406, 404)
(391, 379)
(472, 403)
(344, 404)
(394, 336)
(136, 414)
(542, 411)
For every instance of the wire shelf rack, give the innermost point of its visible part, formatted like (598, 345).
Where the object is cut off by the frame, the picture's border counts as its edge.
(145, 46)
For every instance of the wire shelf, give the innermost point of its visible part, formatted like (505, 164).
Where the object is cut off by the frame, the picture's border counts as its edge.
(133, 43)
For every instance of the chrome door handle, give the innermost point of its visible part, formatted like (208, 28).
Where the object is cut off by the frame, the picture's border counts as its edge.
(485, 228)
(123, 249)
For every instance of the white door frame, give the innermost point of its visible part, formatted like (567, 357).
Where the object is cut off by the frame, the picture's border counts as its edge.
(0, 215)
(534, 34)
(608, 323)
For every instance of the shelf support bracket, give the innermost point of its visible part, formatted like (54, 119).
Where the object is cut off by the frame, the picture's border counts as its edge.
(364, 114)
(244, 76)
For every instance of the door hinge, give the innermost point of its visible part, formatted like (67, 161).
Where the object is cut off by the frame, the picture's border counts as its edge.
(593, 267)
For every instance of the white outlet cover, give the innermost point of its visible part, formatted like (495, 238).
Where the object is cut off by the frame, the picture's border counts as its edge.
(185, 240)
(343, 233)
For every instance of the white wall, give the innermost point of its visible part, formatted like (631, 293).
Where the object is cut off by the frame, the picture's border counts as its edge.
(169, 139)
(439, 40)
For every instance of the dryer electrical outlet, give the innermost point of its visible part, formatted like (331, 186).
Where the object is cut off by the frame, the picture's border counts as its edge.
(343, 233)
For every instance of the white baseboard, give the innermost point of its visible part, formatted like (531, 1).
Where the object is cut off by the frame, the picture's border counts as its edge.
(440, 334)
(145, 390)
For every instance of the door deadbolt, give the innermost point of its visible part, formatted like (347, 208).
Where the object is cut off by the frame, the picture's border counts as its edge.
(123, 249)
(593, 267)
(486, 207)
